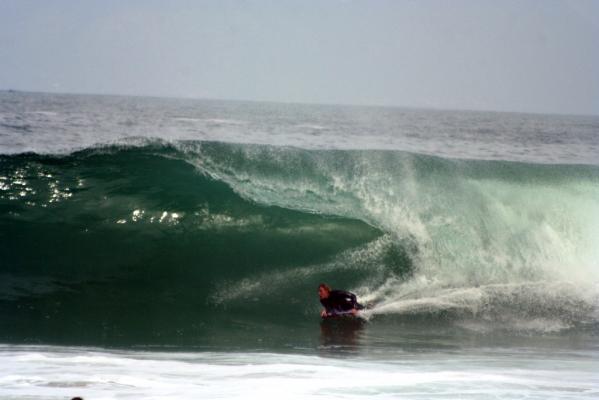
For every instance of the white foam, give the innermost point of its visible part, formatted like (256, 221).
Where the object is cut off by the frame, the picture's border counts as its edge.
(50, 372)
(541, 307)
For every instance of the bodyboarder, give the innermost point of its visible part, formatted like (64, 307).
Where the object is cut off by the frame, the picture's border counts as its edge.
(337, 302)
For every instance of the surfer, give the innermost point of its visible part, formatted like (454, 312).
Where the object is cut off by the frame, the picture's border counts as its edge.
(337, 302)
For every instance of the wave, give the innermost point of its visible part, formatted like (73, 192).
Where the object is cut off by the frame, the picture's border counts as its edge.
(150, 240)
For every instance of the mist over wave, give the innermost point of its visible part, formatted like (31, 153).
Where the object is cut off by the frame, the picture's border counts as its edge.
(481, 237)
(155, 241)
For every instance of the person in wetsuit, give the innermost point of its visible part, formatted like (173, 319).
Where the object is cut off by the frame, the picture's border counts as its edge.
(337, 302)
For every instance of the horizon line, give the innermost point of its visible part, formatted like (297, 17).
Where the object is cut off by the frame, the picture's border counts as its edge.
(291, 102)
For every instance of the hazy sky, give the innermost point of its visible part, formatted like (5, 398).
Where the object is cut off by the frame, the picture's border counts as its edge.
(538, 56)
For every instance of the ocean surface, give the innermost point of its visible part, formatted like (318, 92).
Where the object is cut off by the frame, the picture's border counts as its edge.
(164, 248)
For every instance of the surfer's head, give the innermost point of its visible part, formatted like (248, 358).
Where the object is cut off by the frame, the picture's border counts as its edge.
(323, 290)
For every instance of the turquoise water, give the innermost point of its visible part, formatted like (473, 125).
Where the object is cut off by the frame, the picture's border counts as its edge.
(144, 235)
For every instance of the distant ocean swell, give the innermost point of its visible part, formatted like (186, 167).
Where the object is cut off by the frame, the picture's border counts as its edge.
(150, 241)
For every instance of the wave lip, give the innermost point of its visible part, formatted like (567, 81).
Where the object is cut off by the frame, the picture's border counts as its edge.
(63, 124)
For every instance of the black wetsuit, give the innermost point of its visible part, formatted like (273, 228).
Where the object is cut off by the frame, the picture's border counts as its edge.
(339, 302)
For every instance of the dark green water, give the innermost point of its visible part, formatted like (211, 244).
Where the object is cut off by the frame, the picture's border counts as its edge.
(74, 274)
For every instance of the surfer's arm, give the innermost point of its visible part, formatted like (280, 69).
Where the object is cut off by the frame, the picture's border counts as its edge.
(355, 305)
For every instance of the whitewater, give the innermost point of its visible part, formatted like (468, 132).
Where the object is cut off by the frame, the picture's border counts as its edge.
(163, 247)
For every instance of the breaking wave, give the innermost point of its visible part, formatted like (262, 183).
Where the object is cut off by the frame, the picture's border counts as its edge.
(153, 241)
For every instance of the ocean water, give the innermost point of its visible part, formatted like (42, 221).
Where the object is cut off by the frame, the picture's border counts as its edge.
(161, 248)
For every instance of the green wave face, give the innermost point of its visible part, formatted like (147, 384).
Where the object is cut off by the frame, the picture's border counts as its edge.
(181, 243)
(132, 245)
